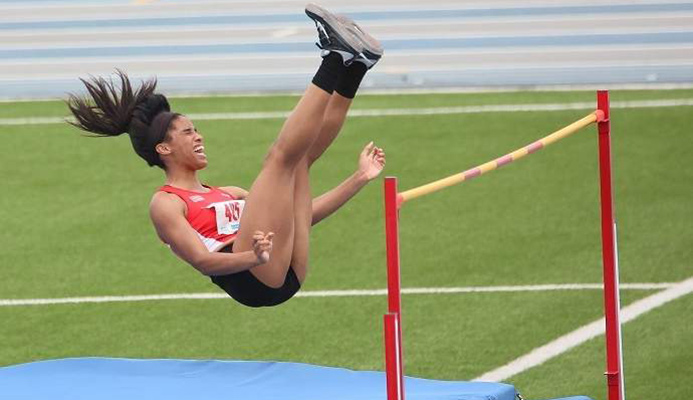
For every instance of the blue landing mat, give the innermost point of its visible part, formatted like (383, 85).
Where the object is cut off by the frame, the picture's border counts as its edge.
(119, 379)
(573, 398)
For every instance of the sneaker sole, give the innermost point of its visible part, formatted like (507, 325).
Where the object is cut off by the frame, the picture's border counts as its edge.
(369, 43)
(325, 17)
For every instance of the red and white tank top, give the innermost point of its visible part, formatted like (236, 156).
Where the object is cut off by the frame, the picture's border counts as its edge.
(215, 215)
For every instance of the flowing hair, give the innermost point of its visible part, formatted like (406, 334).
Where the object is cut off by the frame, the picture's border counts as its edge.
(112, 109)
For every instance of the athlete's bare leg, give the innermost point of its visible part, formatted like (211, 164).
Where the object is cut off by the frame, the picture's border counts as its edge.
(270, 202)
(283, 181)
(303, 213)
(335, 114)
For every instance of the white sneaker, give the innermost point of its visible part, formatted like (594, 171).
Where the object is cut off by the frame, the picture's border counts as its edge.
(333, 35)
(372, 49)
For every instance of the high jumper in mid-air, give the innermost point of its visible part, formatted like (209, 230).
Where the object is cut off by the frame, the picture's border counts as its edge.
(253, 244)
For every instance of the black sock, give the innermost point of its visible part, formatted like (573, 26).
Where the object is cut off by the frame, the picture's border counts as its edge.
(330, 72)
(350, 81)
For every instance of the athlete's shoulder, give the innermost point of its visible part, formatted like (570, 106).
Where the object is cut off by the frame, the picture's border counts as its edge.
(166, 201)
(234, 191)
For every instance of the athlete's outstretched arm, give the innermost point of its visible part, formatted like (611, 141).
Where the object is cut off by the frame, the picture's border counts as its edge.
(168, 215)
(371, 163)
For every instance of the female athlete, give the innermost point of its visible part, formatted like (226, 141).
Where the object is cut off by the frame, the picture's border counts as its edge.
(253, 244)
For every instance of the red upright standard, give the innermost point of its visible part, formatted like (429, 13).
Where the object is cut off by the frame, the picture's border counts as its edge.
(393, 322)
(614, 373)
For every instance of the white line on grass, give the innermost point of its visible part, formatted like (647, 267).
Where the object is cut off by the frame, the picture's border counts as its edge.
(334, 293)
(400, 111)
(581, 335)
(404, 91)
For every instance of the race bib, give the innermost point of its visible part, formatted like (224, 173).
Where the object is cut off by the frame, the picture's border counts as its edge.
(228, 215)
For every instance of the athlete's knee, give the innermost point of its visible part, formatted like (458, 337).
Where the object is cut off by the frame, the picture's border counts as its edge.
(312, 156)
(306, 162)
(282, 156)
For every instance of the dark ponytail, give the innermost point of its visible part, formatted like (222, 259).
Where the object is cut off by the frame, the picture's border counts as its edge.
(109, 110)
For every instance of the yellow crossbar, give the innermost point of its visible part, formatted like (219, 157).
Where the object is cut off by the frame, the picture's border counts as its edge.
(499, 162)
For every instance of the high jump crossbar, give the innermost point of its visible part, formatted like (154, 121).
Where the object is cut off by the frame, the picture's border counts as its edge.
(562, 133)
(394, 363)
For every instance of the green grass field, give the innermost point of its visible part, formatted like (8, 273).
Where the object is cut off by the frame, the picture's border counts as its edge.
(75, 223)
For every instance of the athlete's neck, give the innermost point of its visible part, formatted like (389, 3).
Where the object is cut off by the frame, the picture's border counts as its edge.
(184, 179)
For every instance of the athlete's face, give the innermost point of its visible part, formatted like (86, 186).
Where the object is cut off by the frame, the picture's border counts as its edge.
(184, 145)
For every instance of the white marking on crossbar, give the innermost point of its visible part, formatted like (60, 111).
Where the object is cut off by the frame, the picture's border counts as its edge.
(581, 335)
(334, 293)
(385, 112)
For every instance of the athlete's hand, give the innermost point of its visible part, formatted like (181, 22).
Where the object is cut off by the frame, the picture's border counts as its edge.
(371, 161)
(262, 246)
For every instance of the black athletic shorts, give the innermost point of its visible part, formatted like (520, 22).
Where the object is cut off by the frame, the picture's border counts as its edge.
(246, 289)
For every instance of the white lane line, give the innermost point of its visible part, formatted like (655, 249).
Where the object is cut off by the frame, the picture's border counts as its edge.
(335, 293)
(399, 111)
(23, 40)
(74, 11)
(476, 89)
(174, 66)
(405, 91)
(615, 21)
(566, 342)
